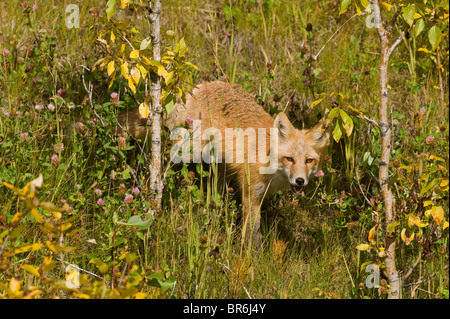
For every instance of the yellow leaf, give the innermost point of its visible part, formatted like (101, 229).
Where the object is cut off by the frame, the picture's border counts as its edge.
(427, 203)
(31, 269)
(143, 70)
(134, 54)
(407, 239)
(122, 49)
(364, 3)
(372, 234)
(14, 285)
(111, 67)
(33, 293)
(445, 226)
(131, 85)
(387, 5)
(162, 71)
(48, 206)
(48, 264)
(316, 103)
(36, 215)
(140, 295)
(16, 218)
(414, 220)
(146, 60)
(113, 37)
(124, 70)
(438, 214)
(14, 189)
(60, 249)
(363, 247)
(27, 247)
(65, 226)
(124, 3)
(444, 183)
(425, 50)
(144, 110)
(417, 16)
(434, 157)
(112, 80)
(135, 75)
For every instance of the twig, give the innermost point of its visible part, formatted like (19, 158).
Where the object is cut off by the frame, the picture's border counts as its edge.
(78, 268)
(411, 269)
(360, 187)
(369, 120)
(89, 91)
(317, 55)
(395, 44)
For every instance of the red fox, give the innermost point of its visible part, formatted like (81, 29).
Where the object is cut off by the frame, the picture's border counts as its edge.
(262, 154)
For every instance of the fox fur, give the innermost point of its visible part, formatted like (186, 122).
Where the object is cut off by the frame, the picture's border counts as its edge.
(300, 153)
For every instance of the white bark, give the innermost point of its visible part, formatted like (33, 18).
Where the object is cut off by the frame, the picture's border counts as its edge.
(386, 137)
(156, 185)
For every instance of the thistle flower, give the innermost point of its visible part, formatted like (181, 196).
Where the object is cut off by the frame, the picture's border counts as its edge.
(59, 147)
(24, 135)
(54, 160)
(189, 122)
(100, 201)
(114, 98)
(122, 143)
(319, 174)
(128, 199)
(5, 52)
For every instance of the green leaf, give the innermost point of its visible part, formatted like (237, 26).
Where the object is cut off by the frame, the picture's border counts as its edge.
(317, 102)
(102, 267)
(110, 8)
(145, 43)
(333, 113)
(344, 6)
(139, 223)
(420, 25)
(347, 122)
(427, 187)
(408, 14)
(157, 280)
(170, 102)
(391, 228)
(434, 36)
(337, 133)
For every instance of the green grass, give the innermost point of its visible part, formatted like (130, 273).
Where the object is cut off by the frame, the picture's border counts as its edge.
(309, 242)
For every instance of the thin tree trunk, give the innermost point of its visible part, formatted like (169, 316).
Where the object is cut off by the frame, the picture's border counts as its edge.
(386, 137)
(156, 108)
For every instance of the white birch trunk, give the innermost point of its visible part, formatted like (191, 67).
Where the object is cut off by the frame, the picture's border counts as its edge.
(156, 108)
(386, 137)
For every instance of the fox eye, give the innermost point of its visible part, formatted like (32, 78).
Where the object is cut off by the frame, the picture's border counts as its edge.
(289, 159)
(309, 160)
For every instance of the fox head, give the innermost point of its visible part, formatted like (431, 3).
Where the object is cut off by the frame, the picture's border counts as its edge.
(301, 152)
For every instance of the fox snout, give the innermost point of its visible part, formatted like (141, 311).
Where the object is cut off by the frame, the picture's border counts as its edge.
(300, 181)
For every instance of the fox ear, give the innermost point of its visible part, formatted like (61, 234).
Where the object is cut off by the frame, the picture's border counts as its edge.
(321, 132)
(284, 126)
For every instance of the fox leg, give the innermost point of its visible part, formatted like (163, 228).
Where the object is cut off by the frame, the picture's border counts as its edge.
(251, 233)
